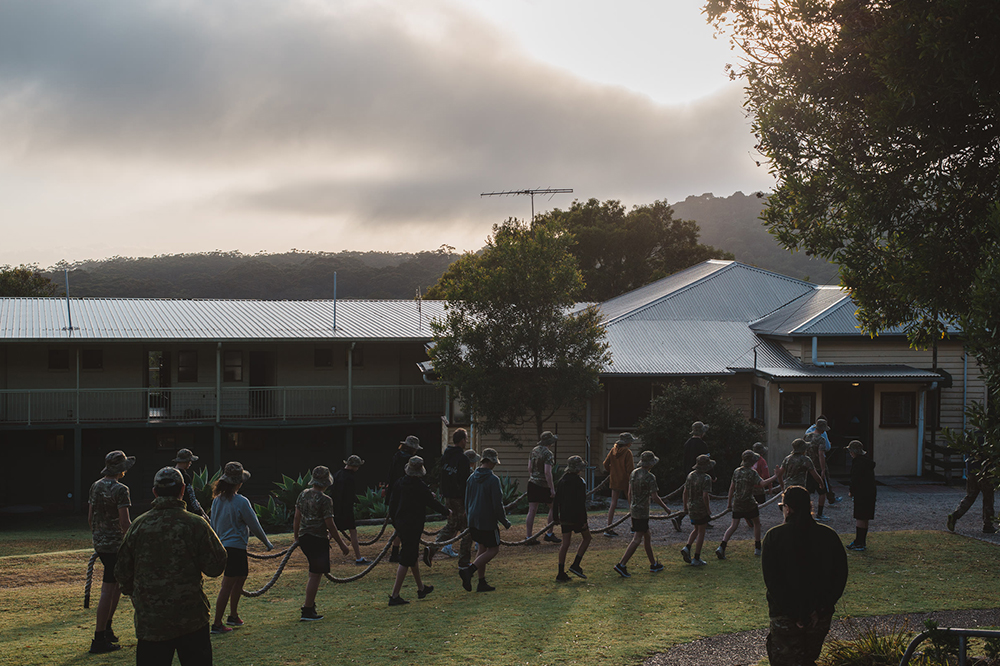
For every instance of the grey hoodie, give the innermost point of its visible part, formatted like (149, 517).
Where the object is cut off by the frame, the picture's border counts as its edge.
(484, 501)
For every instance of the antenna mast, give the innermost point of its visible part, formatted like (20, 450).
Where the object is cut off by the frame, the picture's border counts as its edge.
(531, 193)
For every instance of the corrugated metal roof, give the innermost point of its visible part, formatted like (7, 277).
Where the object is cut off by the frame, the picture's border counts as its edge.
(654, 291)
(850, 372)
(166, 319)
(803, 311)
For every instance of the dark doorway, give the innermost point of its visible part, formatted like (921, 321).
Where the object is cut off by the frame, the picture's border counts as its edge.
(158, 383)
(261, 376)
(849, 409)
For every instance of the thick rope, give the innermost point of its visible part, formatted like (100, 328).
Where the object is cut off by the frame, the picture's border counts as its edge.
(600, 485)
(530, 538)
(377, 536)
(371, 566)
(612, 525)
(267, 556)
(508, 507)
(90, 579)
(441, 544)
(277, 574)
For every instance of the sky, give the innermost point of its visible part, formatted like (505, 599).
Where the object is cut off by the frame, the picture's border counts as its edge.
(145, 127)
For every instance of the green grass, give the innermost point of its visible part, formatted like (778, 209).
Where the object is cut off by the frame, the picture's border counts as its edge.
(530, 619)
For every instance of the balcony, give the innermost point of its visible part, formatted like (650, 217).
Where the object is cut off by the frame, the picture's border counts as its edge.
(272, 403)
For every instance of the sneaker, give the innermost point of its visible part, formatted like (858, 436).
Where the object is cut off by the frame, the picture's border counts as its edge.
(698, 562)
(466, 576)
(610, 533)
(309, 614)
(449, 551)
(989, 528)
(822, 519)
(656, 567)
(362, 562)
(552, 538)
(483, 586)
(102, 645)
(622, 570)
(533, 542)
(834, 500)
(428, 555)
(424, 592)
(221, 629)
(854, 545)
(110, 636)
(677, 523)
(951, 522)
(234, 621)
(562, 577)
(686, 554)
(397, 601)
(756, 551)
(720, 553)
(577, 571)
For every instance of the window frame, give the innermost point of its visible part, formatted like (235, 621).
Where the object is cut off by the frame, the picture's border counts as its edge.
(758, 404)
(888, 395)
(232, 372)
(187, 373)
(784, 396)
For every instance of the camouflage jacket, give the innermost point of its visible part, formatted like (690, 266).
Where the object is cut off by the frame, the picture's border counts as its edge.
(315, 507)
(107, 496)
(160, 565)
(642, 485)
(697, 484)
(796, 468)
(539, 457)
(745, 479)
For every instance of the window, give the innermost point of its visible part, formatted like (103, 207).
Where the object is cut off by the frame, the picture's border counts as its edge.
(628, 401)
(797, 409)
(58, 359)
(898, 410)
(92, 359)
(757, 404)
(187, 366)
(232, 366)
(252, 440)
(323, 357)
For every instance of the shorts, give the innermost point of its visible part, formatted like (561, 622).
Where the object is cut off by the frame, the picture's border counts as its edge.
(813, 486)
(109, 560)
(640, 524)
(345, 521)
(747, 514)
(409, 549)
(487, 538)
(539, 494)
(579, 528)
(317, 551)
(237, 564)
(864, 508)
(699, 520)
(759, 496)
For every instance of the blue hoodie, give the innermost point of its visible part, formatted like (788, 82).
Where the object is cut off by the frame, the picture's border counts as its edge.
(484, 501)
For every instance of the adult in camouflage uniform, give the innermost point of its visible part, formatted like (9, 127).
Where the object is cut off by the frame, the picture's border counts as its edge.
(541, 487)
(796, 467)
(641, 489)
(185, 458)
(697, 488)
(745, 482)
(108, 516)
(313, 525)
(800, 603)
(816, 450)
(160, 565)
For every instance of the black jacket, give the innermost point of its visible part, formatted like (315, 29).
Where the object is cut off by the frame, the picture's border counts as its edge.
(863, 477)
(455, 470)
(397, 470)
(408, 506)
(805, 569)
(570, 506)
(343, 492)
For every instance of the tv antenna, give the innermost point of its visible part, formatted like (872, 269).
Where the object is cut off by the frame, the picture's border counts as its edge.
(531, 193)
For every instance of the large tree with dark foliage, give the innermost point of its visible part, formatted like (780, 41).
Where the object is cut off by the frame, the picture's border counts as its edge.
(25, 280)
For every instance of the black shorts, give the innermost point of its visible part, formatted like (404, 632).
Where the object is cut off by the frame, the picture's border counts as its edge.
(487, 538)
(317, 551)
(345, 521)
(864, 508)
(579, 528)
(640, 524)
(539, 494)
(109, 560)
(700, 520)
(237, 564)
(409, 549)
(750, 514)
(813, 486)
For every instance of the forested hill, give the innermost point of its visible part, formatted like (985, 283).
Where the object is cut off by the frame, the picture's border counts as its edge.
(288, 276)
(733, 224)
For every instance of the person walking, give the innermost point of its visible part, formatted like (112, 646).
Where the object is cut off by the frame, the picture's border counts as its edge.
(345, 494)
(800, 603)
(864, 491)
(484, 509)
(312, 527)
(746, 481)
(977, 480)
(233, 518)
(541, 487)
(397, 470)
(619, 464)
(185, 458)
(108, 516)
(822, 427)
(160, 566)
(570, 508)
(760, 494)
(641, 490)
(456, 467)
(796, 467)
(695, 446)
(816, 450)
(697, 491)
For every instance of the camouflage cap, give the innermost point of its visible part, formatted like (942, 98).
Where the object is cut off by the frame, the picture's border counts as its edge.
(117, 462)
(575, 464)
(185, 455)
(698, 428)
(321, 476)
(472, 456)
(759, 448)
(856, 447)
(625, 438)
(749, 458)
(412, 442)
(647, 459)
(547, 439)
(491, 456)
(167, 478)
(235, 474)
(704, 463)
(415, 467)
(798, 445)
(354, 461)
(822, 425)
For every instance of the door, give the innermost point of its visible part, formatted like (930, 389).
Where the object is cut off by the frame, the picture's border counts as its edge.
(261, 377)
(849, 408)
(158, 383)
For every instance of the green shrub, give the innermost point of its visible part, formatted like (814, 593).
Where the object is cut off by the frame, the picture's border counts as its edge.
(289, 489)
(868, 647)
(273, 516)
(509, 489)
(370, 505)
(203, 485)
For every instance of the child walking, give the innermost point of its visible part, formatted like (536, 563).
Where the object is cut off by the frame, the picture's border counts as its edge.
(746, 481)
(863, 490)
(312, 527)
(641, 489)
(696, 504)
(619, 464)
(344, 493)
(570, 512)
(484, 508)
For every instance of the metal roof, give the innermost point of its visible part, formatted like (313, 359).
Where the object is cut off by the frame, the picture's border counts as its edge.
(900, 373)
(26, 319)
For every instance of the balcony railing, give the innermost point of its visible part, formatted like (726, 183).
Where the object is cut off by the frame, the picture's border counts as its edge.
(279, 403)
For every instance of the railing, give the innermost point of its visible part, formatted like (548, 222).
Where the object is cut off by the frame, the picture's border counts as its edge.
(963, 641)
(200, 404)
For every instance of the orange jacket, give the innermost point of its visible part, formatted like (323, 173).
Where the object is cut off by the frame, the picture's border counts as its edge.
(619, 464)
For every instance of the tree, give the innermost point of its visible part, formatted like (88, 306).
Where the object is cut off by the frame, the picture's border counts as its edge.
(510, 342)
(881, 123)
(25, 281)
(668, 426)
(619, 250)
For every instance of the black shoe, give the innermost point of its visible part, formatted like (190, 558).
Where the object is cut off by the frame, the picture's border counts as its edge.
(397, 601)
(677, 523)
(656, 567)
(562, 577)
(720, 553)
(484, 586)
(577, 571)
(220, 629)
(466, 576)
(552, 538)
(394, 554)
(610, 533)
(309, 614)
(424, 592)
(102, 645)
(110, 636)
(622, 570)
(428, 555)
(989, 528)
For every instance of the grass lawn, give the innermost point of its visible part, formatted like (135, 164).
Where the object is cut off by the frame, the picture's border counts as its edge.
(530, 619)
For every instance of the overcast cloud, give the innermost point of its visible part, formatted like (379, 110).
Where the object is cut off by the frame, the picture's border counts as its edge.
(143, 127)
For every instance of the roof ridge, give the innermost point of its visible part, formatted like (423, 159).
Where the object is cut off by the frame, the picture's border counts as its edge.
(822, 314)
(726, 266)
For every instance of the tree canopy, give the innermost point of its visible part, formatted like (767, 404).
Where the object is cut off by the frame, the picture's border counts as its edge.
(510, 342)
(25, 281)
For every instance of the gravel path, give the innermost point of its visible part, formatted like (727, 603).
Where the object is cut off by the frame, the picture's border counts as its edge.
(903, 504)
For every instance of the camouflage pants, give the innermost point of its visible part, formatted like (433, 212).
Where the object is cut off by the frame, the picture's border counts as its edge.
(974, 486)
(788, 644)
(456, 523)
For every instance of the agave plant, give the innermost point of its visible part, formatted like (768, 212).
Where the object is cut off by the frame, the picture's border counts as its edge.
(370, 505)
(203, 484)
(289, 489)
(273, 516)
(509, 490)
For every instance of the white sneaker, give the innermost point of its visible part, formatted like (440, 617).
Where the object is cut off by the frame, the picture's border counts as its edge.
(449, 551)
(698, 562)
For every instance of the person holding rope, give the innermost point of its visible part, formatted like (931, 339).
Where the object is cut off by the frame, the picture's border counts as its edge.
(570, 512)
(160, 566)
(816, 450)
(760, 494)
(410, 499)
(312, 527)
(693, 447)
(745, 482)
(345, 494)
(456, 467)
(641, 489)
(697, 489)
(233, 518)
(185, 458)
(397, 470)
(619, 464)
(484, 508)
(541, 487)
(108, 516)
(977, 480)
(796, 467)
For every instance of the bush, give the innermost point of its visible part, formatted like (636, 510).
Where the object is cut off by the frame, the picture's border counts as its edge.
(203, 485)
(370, 505)
(668, 426)
(289, 489)
(867, 647)
(273, 516)
(510, 491)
